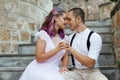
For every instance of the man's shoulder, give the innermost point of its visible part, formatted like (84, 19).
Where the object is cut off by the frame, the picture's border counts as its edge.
(71, 35)
(95, 37)
(94, 34)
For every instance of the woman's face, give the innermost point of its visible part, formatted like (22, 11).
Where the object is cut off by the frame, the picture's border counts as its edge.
(61, 21)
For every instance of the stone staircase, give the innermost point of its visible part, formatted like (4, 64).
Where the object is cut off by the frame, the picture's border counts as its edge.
(12, 66)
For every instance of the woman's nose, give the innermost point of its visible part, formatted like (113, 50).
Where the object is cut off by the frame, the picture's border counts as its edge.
(65, 21)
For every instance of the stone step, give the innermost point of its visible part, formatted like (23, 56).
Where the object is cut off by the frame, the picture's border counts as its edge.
(107, 48)
(104, 31)
(23, 60)
(15, 60)
(111, 72)
(104, 60)
(30, 48)
(14, 73)
(99, 29)
(106, 37)
(104, 22)
(11, 73)
(106, 55)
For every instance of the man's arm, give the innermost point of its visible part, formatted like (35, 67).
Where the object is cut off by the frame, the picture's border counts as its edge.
(84, 60)
(93, 54)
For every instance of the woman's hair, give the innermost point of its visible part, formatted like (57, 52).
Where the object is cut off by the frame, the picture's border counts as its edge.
(48, 24)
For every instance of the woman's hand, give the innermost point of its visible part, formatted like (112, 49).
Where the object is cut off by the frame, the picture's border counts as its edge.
(61, 45)
(64, 69)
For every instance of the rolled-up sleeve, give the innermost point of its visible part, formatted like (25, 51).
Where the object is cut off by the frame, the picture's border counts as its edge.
(95, 46)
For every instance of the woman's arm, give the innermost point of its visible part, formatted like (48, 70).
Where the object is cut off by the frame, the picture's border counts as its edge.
(65, 60)
(41, 56)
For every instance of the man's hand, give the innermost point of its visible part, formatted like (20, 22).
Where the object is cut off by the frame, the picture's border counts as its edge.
(62, 45)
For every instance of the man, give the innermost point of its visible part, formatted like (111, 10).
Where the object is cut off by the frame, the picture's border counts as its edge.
(86, 60)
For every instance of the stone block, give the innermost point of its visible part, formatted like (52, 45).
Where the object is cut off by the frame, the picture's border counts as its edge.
(12, 20)
(5, 34)
(113, 24)
(117, 53)
(118, 19)
(116, 38)
(105, 10)
(2, 4)
(31, 26)
(3, 15)
(25, 36)
(5, 48)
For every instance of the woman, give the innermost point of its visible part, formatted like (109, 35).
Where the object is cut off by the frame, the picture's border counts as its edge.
(50, 49)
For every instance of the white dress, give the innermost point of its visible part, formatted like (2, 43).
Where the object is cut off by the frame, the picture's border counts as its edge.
(48, 70)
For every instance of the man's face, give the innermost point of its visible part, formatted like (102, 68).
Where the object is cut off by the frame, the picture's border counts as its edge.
(71, 20)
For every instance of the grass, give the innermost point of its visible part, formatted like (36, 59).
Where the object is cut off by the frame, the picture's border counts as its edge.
(118, 63)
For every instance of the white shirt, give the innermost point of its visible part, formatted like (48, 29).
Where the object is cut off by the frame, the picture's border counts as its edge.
(80, 44)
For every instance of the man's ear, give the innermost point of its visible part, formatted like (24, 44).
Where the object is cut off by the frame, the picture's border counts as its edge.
(79, 19)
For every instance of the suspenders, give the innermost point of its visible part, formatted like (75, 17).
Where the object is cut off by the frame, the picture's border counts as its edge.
(88, 45)
(73, 63)
(88, 40)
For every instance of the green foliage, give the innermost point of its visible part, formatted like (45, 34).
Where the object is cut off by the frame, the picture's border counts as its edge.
(86, 0)
(114, 0)
(118, 63)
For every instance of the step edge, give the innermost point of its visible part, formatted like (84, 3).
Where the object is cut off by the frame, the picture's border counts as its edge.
(31, 54)
(16, 55)
(7, 69)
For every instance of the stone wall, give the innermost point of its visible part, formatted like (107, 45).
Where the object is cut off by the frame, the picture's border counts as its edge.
(115, 14)
(105, 10)
(91, 7)
(19, 19)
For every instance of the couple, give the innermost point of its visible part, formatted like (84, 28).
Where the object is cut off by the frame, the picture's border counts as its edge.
(52, 49)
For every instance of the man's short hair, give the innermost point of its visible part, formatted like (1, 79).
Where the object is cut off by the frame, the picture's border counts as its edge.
(78, 12)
